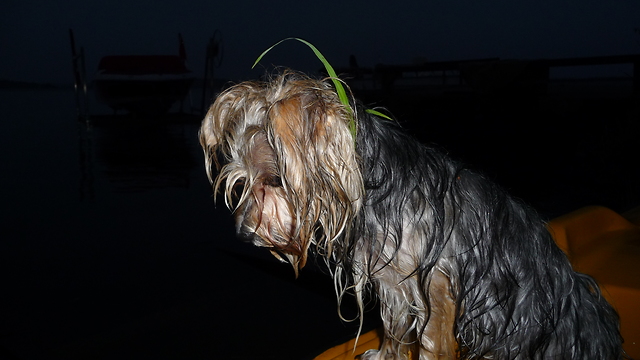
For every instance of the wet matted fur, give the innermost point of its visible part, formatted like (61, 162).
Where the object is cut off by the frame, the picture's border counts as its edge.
(461, 269)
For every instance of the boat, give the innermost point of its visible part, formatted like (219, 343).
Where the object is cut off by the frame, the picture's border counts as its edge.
(598, 242)
(147, 84)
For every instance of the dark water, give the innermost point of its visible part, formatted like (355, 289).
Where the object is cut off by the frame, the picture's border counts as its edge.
(111, 247)
(557, 153)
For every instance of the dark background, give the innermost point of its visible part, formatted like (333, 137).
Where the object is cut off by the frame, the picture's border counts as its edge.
(35, 47)
(110, 244)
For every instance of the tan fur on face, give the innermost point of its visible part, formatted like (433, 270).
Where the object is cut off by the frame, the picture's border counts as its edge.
(295, 131)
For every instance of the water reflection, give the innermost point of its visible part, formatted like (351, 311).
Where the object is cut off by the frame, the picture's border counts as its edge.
(137, 154)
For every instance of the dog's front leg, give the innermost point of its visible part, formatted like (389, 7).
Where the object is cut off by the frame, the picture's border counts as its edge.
(437, 340)
(398, 313)
(390, 350)
(407, 337)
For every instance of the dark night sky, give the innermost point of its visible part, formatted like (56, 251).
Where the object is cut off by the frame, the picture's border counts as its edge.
(35, 46)
(96, 269)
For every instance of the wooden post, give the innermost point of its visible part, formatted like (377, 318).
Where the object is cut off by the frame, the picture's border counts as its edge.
(79, 79)
(636, 76)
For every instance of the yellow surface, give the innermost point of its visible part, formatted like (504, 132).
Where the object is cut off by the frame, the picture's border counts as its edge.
(605, 245)
(346, 351)
(599, 242)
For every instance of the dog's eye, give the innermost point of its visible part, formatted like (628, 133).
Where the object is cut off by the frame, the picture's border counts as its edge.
(273, 181)
(238, 186)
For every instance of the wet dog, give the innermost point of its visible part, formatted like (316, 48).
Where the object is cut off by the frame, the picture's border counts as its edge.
(460, 268)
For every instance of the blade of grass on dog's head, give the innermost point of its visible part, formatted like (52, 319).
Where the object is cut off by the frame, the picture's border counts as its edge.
(379, 114)
(315, 50)
(342, 94)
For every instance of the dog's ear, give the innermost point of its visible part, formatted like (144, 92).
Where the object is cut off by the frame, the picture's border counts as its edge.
(212, 129)
(218, 132)
(318, 163)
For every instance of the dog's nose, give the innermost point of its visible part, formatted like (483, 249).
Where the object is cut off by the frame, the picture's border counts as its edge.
(244, 233)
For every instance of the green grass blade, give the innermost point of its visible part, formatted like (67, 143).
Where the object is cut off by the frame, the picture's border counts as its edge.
(342, 94)
(378, 113)
(266, 51)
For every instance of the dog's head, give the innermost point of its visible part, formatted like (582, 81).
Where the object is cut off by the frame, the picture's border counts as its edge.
(286, 163)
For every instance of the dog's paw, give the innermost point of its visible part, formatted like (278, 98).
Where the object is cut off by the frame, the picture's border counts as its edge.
(369, 355)
(382, 355)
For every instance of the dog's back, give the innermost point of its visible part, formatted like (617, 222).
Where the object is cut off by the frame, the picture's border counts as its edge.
(516, 295)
